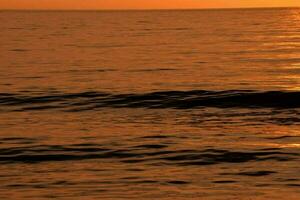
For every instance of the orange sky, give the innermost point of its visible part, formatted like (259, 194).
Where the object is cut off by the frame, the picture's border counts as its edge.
(141, 4)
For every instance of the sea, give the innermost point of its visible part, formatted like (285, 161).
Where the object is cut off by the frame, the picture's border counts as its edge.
(150, 104)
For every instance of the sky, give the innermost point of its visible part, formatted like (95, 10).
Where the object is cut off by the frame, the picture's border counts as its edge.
(142, 4)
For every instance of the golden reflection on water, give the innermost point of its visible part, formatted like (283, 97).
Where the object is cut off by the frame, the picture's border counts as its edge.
(291, 145)
(230, 152)
(192, 54)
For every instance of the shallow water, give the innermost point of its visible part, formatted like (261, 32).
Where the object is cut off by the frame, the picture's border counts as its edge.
(150, 104)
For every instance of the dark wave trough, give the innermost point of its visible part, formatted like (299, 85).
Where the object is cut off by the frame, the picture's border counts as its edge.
(150, 154)
(166, 99)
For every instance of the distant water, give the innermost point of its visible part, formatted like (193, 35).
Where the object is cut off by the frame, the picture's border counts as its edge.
(201, 104)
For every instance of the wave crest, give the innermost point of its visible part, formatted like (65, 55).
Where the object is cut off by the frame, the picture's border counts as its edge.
(165, 99)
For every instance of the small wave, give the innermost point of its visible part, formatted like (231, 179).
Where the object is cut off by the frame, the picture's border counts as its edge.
(19, 50)
(154, 70)
(150, 154)
(165, 99)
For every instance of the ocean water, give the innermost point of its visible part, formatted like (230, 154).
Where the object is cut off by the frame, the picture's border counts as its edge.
(199, 104)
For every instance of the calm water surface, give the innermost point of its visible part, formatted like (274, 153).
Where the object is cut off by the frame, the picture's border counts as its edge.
(150, 104)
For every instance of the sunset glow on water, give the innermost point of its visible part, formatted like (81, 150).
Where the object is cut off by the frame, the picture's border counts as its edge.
(174, 104)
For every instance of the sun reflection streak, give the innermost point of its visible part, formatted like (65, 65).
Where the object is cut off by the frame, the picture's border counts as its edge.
(291, 145)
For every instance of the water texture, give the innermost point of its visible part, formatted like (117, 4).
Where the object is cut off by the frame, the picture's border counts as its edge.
(195, 104)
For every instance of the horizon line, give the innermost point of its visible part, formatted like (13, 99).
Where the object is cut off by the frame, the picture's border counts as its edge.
(147, 9)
